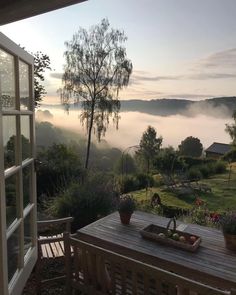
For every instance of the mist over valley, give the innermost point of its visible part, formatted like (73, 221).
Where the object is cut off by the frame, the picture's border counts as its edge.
(174, 120)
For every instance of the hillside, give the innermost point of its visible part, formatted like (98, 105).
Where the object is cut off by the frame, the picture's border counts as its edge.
(216, 107)
(219, 106)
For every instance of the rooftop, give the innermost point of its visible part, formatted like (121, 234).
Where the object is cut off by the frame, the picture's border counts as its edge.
(219, 148)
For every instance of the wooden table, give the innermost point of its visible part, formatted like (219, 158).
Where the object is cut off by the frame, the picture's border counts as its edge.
(212, 263)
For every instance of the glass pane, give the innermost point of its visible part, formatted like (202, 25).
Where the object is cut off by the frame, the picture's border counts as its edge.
(25, 137)
(7, 81)
(13, 252)
(27, 233)
(24, 85)
(9, 140)
(27, 176)
(11, 198)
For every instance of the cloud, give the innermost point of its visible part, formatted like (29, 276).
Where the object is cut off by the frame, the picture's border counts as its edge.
(189, 96)
(145, 78)
(225, 58)
(208, 76)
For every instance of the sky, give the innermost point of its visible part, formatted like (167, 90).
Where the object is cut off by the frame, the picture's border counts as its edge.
(179, 48)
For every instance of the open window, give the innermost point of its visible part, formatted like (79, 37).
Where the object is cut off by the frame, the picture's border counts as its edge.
(18, 245)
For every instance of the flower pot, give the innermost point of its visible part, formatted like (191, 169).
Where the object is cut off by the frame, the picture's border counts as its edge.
(125, 217)
(230, 241)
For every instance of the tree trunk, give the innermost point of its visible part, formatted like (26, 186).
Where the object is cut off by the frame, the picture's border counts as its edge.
(89, 137)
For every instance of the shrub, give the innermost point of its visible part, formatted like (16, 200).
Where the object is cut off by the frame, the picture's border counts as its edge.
(87, 202)
(130, 183)
(144, 180)
(194, 174)
(191, 161)
(220, 167)
(205, 170)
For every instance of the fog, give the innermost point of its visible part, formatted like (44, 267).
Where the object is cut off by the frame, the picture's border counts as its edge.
(173, 128)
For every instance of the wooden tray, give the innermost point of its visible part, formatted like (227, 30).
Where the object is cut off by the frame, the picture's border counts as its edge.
(152, 232)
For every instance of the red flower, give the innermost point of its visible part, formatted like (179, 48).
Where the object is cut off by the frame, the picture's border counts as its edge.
(199, 202)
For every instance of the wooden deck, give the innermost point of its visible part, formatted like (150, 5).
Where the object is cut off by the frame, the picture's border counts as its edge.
(212, 264)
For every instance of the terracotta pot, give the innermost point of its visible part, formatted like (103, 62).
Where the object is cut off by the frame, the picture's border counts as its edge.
(125, 217)
(230, 241)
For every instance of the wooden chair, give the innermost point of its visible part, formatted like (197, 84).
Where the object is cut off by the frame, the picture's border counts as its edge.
(97, 271)
(51, 246)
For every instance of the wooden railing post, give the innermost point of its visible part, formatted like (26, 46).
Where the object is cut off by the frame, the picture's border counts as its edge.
(66, 237)
(67, 246)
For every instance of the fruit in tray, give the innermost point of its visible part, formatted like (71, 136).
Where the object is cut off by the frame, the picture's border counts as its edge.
(161, 235)
(169, 233)
(192, 239)
(182, 239)
(175, 236)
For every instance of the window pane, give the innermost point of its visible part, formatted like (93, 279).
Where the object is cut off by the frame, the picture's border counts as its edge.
(27, 177)
(25, 137)
(11, 197)
(9, 140)
(27, 233)
(24, 85)
(13, 251)
(7, 81)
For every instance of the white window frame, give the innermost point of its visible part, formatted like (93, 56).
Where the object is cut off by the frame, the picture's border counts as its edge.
(26, 262)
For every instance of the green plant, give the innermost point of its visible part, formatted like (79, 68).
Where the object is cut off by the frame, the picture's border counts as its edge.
(85, 202)
(126, 204)
(194, 174)
(228, 223)
(220, 167)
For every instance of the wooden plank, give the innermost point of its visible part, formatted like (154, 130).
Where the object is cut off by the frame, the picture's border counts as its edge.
(144, 275)
(212, 263)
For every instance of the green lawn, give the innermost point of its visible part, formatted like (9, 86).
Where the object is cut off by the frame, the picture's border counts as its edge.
(221, 198)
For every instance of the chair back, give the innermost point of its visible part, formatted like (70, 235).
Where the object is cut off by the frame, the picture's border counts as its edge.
(94, 270)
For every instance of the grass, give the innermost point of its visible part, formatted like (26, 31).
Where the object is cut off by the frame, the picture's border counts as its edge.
(221, 198)
(167, 198)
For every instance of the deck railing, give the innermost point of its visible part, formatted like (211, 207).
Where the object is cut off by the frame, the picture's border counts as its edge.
(94, 270)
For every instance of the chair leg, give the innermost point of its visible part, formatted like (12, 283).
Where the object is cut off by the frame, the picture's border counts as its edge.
(38, 277)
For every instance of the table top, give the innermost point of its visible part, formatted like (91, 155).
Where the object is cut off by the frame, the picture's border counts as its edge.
(211, 264)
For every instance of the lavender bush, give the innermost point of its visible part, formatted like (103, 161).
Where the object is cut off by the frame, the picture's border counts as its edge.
(126, 204)
(228, 223)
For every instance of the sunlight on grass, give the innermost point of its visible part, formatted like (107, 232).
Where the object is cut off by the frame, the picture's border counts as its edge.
(221, 198)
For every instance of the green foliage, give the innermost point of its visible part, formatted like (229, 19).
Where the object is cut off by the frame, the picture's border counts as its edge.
(41, 64)
(194, 174)
(230, 156)
(206, 170)
(96, 70)
(60, 165)
(149, 147)
(220, 167)
(145, 180)
(125, 165)
(231, 129)
(167, 161)
(126, 204)
(191, 146)
(193, 161)
(85, 202)
(130, 183)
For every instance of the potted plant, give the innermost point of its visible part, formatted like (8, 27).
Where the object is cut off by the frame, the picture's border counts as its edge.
(228, 223)
(126, 208)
